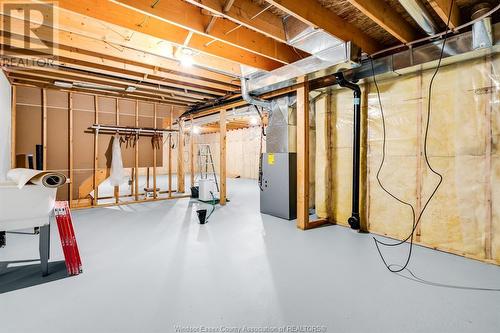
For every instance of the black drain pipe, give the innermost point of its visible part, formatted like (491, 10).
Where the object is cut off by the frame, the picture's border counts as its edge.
(354, 220)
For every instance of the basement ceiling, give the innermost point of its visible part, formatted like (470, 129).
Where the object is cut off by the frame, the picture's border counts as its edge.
(134, 47)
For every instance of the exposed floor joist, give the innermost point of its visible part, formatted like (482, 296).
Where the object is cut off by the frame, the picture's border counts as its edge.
(67, 76)
(187, 16)
(313, 14)
(385, 16)
(127, 56)
(116, 14)
(247, 14)
(442, 8)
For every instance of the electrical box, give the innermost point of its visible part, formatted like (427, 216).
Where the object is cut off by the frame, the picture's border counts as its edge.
(278, 196)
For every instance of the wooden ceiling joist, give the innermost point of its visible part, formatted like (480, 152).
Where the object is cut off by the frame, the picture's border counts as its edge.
(128, 58)
(442, 8)
(45, 83)
(113, 13)
(187, 16)
(386, 17)
(50, 78)
(312, 13)
(58, 74)
(244, 12)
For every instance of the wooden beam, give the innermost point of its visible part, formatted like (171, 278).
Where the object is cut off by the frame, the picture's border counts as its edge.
(181, 183)
(95, 183)
(136, 183)
(130, 56)
(117, 121)
(222, 162)
(303, 157)
(442, 8)
(155, 151)
(244, 12)
(187, 16)
(47, 83)
(191, 152)
(63, 75)
(70, 148)
(13, 128)
(386, 17)
(171, 120)
(314, 14)
(124, 17)
(44, 127)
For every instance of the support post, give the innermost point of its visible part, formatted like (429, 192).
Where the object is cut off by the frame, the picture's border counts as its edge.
(136, 183)
(155, 153)
(222, 162)
(170, 153)
(13, 128)
(303, 156)
(96, 150)
(70, 148)
(44, 126)
(191, 152)
(117, 114)
(181, 183)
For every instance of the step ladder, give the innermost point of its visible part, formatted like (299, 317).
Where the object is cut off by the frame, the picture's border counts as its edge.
(206, 163)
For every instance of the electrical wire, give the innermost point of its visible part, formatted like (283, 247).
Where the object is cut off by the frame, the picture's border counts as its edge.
(413, 277)
(415, 220)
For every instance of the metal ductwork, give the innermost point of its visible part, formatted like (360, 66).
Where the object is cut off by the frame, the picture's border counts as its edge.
(253, 100)
(482, 31)
(419, 13)
(328, 55)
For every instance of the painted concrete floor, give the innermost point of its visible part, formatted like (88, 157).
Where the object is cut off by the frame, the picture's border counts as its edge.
(151, 267)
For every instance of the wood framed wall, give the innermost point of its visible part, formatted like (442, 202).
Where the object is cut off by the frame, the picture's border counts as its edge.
(59, 120)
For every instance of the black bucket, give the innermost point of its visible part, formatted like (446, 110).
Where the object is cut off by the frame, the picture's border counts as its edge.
(195, 192)
(202, 215)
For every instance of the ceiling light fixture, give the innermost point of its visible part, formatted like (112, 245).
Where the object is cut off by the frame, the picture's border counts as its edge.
(186, 57)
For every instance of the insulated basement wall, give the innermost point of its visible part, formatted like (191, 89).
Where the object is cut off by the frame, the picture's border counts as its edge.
(463, 145)
(243, 151)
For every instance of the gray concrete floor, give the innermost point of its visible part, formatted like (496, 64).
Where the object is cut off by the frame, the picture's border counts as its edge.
(150, 267)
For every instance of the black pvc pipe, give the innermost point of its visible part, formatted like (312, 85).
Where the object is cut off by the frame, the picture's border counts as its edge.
(39, 157)
(354, 221)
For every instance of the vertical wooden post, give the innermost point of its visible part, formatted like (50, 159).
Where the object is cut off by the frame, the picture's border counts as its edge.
(155, 152)
(420, 155)
(13, 128)
(329, 155)
(489, 112)
(117, 121)
(136, 183)
(96, 152)
(222, 162)
(44, 127)
(191, 152)
(170, 153)
(181, 182)
(70, 148)
(303, 156)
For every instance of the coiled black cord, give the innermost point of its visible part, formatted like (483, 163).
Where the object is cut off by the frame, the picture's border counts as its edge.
(416, 220)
